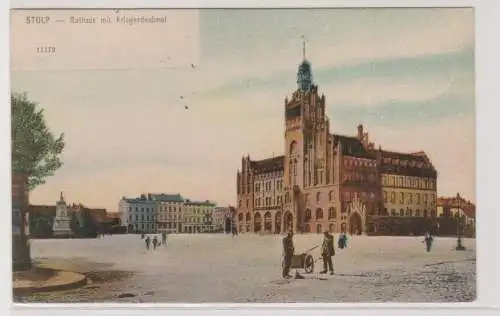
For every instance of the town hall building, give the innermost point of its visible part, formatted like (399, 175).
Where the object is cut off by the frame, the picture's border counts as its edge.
(326, 181)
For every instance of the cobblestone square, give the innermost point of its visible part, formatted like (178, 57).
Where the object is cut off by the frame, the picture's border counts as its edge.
(246, 268)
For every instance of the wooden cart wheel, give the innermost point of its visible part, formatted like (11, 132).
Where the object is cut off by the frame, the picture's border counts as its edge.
(309, 264)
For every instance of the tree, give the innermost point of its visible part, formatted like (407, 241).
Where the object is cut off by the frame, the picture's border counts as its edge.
(35, 150)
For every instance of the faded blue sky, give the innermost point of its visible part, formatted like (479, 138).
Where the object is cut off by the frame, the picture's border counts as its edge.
(407, 74)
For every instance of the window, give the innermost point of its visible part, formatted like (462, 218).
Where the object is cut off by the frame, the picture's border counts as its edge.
(385, 196)
(401, 198)
(393, 197)
(307, 215)
(417, 212)
(401, 212)
(319, 213)
(331, 196)
(318, 197)
(408, 213)
(319, 229)
(332, 213)
(393, 212)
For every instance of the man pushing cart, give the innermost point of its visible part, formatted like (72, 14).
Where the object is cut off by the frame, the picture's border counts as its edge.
(292, 261)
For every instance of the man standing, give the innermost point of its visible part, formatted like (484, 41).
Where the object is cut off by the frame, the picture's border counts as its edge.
(164, 238)
(288, 251)
(327, 252)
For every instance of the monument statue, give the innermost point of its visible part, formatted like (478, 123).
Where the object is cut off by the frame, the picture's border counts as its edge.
(62, 221)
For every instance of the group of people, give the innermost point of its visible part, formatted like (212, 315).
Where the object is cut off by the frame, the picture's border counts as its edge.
(154, 241)
(327, 252)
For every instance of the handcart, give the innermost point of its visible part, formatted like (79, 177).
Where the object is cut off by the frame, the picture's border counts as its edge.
(303, 261)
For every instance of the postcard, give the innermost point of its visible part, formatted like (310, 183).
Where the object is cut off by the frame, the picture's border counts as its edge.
(243, 155)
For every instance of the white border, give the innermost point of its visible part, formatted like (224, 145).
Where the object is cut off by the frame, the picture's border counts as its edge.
(488, 101)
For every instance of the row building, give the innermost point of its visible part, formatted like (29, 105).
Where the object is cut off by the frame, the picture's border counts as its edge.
(172, 213)
(327, 181)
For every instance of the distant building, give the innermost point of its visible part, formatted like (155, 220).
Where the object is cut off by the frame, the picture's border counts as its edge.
(197, 216)
(169, 209)
(219, 218)
(172, 213)
(138, 214)
(457, 207)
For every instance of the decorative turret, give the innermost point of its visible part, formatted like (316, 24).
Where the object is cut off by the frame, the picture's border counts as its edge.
(304, 73)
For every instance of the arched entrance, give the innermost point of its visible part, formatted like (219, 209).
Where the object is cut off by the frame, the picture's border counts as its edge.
(257, 226)
(277, 223)
(288, 221)
(268, 222)
(355, 224)
(248, 222)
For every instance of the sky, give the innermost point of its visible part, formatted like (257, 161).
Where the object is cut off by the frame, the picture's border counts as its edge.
(406, 74)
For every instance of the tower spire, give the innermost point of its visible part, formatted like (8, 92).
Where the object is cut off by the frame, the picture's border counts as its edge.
(303, 47)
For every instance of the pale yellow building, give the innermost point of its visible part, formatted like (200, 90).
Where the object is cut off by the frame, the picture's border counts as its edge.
(408, 185)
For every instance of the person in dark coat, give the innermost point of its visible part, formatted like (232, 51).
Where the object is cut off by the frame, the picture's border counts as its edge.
(288, 251)
(164, 238)
(428, 241)
(327, 252)
(148, 242)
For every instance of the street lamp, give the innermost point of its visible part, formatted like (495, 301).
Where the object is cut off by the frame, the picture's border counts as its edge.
(459, 247)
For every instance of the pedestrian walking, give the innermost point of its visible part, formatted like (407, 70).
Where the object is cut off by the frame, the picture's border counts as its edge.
(428, 241)
(342, 242)
(288, 251)
(327, 253)
(164, 238)
(148, 242)
(155, 242)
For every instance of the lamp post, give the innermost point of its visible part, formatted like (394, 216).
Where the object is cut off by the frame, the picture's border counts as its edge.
(459, 247)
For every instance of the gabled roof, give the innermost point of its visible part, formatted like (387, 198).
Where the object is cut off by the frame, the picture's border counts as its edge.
(352, 146)
(269, 164)
(407, 164)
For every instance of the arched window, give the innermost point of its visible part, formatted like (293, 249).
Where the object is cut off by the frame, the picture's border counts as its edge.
(331, 196)
(293, 149)
(307, 215)
(401, 212)
(332, 213)
(319, 229)
(319, 213)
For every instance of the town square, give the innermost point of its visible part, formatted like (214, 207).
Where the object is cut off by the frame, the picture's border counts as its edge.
(270, 156)
(247, 269)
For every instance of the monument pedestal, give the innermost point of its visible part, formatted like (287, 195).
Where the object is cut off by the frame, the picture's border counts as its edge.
(62, 221)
